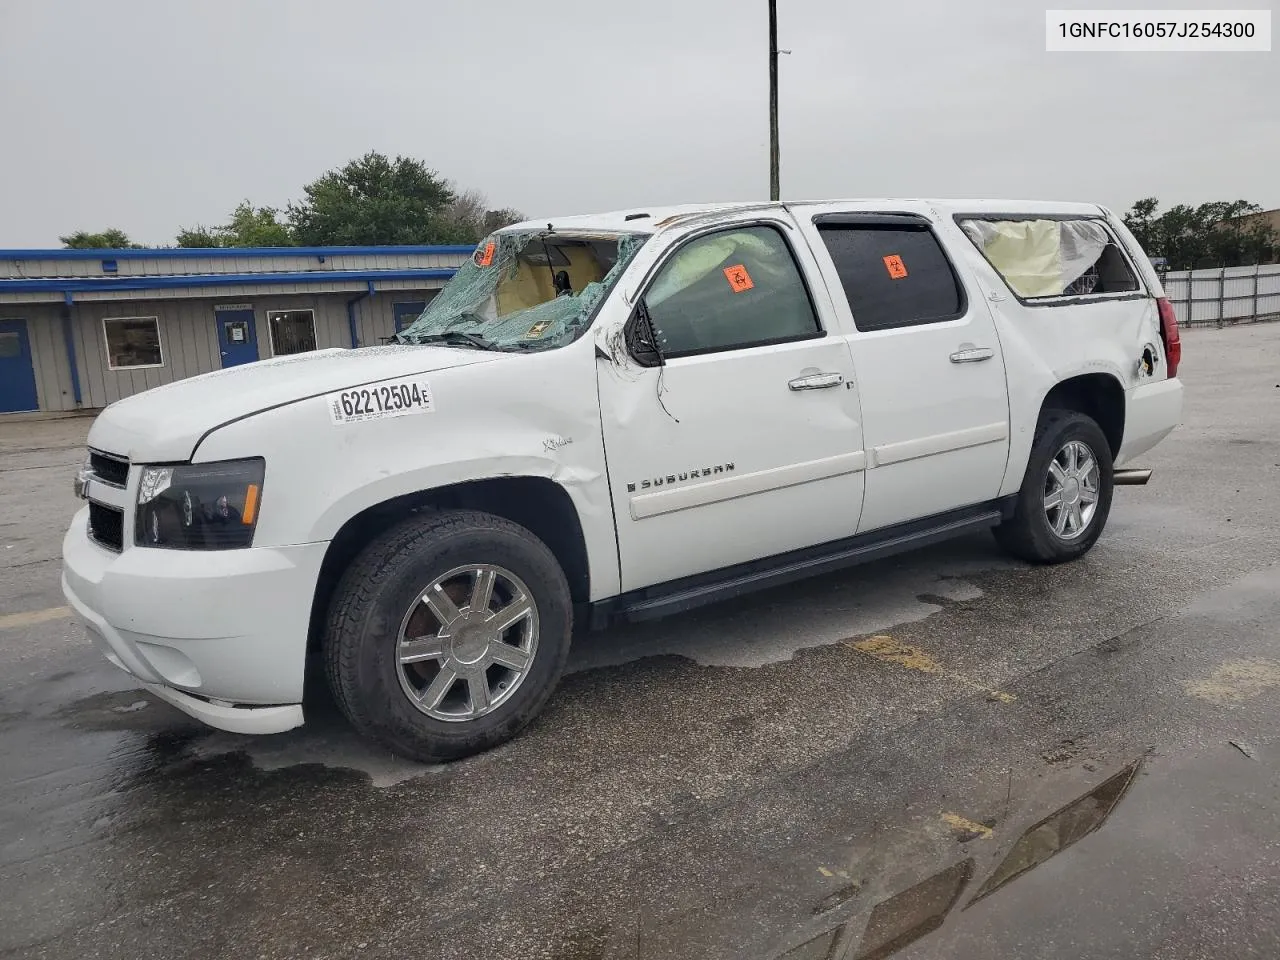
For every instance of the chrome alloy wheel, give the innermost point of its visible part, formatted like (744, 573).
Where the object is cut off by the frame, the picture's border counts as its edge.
(467, 642)
(1071, 490)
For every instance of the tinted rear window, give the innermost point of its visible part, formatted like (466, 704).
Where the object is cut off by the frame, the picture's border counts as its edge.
(893, 276)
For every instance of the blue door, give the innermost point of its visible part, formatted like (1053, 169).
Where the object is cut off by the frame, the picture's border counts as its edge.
(17, 373)
(237, 338)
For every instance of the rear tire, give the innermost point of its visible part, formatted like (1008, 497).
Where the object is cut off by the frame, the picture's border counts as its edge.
(1070, 466)
(447, 634)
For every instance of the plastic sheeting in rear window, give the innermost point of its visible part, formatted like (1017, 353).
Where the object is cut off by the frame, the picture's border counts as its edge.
(1040, 258)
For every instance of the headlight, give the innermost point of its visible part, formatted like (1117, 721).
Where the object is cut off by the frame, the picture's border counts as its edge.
(199, 506)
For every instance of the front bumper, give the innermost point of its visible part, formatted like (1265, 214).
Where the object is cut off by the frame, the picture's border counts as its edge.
(222, 635)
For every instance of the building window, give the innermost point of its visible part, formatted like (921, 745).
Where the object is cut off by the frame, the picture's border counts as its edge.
(407, 311)
(292, 331)
(132, 342)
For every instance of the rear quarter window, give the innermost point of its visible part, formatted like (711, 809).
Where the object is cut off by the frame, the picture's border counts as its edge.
(893, 276)
(1045, 258)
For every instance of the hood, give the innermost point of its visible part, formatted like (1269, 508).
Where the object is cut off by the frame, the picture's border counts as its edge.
(165, 424)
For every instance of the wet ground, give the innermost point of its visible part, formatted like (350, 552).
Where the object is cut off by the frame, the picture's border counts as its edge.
(947, 755)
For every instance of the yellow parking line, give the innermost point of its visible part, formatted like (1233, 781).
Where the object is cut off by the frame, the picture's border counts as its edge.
(11, 621)
(964, 825)
(889, 650)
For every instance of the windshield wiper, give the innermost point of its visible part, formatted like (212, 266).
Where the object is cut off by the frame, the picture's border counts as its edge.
(457, 338)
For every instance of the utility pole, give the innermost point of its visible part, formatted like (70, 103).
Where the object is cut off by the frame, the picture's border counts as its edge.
(774, 185)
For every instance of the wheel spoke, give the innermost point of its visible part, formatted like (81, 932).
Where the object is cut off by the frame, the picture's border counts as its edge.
(1087, 467)
(441, 605)
(505, 655)
(1088, 495)
(1077, 521)
(1073, 458)
(438, 688)
(1060, 525)
(478, 685)
(1053, 500)
(482, 590)
(512, 613)
(422, 648)
(1057, 473)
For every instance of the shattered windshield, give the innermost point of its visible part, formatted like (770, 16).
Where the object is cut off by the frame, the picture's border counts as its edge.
(525, 291)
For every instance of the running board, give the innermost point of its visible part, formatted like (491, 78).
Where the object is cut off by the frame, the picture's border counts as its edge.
(687, 593)
(1130, 478)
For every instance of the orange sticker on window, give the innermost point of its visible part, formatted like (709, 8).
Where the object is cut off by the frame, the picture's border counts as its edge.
(739, 279)
(485, 257)
(897, 269)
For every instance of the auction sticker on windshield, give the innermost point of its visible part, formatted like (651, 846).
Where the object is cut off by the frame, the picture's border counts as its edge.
(379, 401)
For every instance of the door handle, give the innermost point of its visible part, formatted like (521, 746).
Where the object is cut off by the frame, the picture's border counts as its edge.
(817, 381)
(971, 354)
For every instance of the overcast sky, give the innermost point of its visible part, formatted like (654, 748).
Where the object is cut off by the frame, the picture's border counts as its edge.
(153, 115)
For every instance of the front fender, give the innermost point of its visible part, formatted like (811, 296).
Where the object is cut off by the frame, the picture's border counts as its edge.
(539, 417)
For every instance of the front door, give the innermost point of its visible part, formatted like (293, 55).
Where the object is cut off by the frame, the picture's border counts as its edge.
(746, 441)
(237, 338)
(930, 370)
(17, 372)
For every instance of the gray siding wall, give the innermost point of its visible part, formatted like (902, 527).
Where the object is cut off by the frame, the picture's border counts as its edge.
(188, 344)
(188, 336)
(375, 316)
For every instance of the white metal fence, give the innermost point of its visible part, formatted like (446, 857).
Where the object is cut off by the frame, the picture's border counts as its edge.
(1229, 294)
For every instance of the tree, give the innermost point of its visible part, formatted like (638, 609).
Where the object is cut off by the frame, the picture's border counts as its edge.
(469, 216)
(1141, 221)
(200, 237)
(1217, 234)
(110, 239)
(250, 226)
(373, 201)
(497, 219)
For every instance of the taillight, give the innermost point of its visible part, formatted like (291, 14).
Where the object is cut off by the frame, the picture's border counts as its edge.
(1169, 334)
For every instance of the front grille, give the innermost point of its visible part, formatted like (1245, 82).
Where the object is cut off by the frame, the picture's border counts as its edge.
(106, 526)
(108, 468)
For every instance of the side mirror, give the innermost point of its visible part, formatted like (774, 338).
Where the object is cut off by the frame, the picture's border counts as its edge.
(641, 339)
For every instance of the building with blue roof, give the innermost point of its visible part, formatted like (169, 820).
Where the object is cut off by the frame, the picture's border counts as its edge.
(80, 329)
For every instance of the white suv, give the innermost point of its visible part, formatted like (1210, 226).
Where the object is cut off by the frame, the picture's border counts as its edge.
(615, 417)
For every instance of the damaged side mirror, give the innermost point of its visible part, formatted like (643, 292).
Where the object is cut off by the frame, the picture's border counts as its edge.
(641, 338)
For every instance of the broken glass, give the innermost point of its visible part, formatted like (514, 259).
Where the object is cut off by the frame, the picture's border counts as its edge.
(529, 290)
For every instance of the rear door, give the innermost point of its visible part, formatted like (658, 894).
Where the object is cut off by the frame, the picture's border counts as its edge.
(930, 370)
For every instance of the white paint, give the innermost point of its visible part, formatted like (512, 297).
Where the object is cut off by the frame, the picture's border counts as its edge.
(732, 406)
(928, 446)
(744, 485)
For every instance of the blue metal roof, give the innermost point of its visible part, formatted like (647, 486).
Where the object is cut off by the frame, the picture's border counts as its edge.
(162, 253)
(70, 285)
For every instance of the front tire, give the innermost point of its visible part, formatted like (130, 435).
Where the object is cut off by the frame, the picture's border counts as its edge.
(448, 634)
(1066, 494)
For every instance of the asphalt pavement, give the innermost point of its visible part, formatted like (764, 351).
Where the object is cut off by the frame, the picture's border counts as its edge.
(942, 755)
